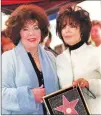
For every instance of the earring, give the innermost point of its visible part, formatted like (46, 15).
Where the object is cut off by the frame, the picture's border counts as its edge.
(81, 34)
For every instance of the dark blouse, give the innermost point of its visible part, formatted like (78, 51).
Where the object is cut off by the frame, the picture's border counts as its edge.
(39, 75)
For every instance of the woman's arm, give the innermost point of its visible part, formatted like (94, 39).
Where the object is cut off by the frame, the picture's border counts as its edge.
(14, 98)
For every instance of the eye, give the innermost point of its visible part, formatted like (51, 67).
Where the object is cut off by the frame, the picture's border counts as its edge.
(63, 26)
(25, 29)
(73, 25)
(36, 27)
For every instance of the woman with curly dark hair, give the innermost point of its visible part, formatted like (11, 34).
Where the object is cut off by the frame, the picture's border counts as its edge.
(79, 63)
(28, 71)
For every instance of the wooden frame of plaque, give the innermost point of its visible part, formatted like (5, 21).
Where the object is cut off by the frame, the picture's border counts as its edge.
(66, 101)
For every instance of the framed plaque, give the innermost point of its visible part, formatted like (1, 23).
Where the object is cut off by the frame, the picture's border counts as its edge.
(68, 101)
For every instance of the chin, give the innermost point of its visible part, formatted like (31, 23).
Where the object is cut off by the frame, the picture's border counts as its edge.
(35, 45)
(70, 44)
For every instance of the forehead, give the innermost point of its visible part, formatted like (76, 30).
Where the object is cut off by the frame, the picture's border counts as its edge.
(30, 22)
(96, 27)
(69, 20)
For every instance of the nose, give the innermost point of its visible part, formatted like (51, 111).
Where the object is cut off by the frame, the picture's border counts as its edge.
(30, 32)
(67, 28)
(93, 32)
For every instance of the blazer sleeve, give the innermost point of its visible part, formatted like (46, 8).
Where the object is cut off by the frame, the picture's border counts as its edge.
(95, 84)
(14, 98)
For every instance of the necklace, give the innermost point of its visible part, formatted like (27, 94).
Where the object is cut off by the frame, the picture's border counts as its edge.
(37, 61)
(35, 56)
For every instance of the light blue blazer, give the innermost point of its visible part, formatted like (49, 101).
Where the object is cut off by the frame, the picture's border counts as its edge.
(19, 77)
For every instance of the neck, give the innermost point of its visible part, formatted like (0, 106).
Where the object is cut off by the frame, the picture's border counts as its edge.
(76, 46)
(97, 43)
(32, 50)
(96, 40)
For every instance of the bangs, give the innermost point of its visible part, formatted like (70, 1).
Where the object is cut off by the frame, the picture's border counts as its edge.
(71, 21)
(30, 22)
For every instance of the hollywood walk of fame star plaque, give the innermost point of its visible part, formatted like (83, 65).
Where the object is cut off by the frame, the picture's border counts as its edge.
(68, 101)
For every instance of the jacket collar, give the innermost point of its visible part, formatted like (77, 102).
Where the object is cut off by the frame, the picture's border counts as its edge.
(81, 48)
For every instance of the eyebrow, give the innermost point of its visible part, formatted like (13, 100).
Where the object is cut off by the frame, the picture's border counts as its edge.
(25, 26)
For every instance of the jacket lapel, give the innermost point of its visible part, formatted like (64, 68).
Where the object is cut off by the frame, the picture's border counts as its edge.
(49, 73)
(21, 52)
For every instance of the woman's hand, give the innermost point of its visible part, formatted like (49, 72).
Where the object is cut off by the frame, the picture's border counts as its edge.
(82, 83)
(39, 93)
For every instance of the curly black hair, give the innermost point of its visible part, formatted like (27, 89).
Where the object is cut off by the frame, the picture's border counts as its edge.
(20, 15)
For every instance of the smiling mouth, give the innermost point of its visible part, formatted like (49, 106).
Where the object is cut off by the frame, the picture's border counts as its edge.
(32, 40)
(68, 36)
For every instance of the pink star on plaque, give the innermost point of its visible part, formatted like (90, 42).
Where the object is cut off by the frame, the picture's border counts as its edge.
(68, 107)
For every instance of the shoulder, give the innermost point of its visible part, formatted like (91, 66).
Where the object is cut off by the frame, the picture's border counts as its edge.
(95, 50)
(62, 56)
(90, 48)
(87, 50)
(8, 56)
(91, 54)
(50, 54)
(52, 58)
(8, 53)
(98, 51)
(99, 48)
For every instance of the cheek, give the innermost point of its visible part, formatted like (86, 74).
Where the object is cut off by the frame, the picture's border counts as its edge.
(38, 40)
(62, 33)
(78, 35)
(23, 35)
(100, 33)
(38, 36)
(93, 32)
